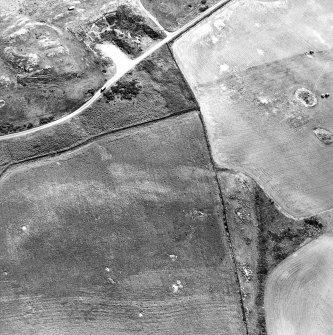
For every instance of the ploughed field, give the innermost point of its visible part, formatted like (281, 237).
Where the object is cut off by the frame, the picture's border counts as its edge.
(123, 235)
(298, 295)
(263, 85)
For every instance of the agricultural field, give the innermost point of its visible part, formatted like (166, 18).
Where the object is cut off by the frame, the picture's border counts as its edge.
(54, 55)
(298, 296)
(124, 234)
(263, 85)
(192, 194)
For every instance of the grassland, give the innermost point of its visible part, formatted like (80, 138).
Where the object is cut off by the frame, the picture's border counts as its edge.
(124, 234)
(53, 56)
(246, 75)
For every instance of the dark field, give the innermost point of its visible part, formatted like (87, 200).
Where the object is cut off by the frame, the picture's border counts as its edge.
(122, 236)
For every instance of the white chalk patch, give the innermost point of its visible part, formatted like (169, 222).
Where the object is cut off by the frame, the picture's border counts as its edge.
(219, 24)
(111, 280)
(176, 287)
(121, 60)
(173, 257)
(24, 229)
(140, 315)
(224, 68)
(258, 25)
(214, 39)
(2, 103)
(107, 269)
(264, 100)
(260, 52)
(205, 30)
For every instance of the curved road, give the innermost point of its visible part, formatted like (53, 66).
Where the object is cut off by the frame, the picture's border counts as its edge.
(119, 74)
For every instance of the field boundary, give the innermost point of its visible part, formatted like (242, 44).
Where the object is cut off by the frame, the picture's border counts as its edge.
(92, 138)
(225, 224)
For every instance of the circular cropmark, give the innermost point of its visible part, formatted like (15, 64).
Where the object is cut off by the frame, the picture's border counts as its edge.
(305, 97)
(298, 293)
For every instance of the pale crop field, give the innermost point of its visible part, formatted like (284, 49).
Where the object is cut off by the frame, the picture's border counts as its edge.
(247, 64)
(298, 295)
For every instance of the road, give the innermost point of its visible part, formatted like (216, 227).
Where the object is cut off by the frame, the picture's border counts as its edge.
(120, 74)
